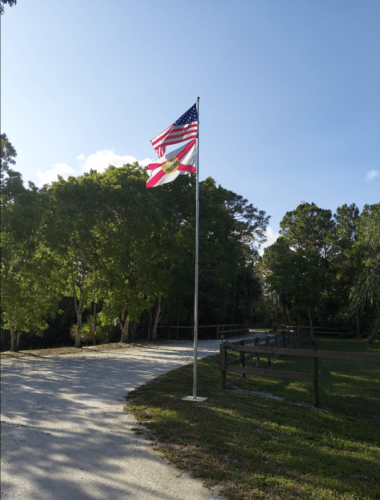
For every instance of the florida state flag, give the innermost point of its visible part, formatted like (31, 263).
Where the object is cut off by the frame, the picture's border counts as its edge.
(169, 167)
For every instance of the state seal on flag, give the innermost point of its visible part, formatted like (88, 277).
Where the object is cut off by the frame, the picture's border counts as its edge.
(171, 165)
(180, 162)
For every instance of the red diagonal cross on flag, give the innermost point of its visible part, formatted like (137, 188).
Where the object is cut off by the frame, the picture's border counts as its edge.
(169, 167)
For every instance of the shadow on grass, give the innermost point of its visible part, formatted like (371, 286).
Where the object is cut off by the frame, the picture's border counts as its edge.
(259, 446)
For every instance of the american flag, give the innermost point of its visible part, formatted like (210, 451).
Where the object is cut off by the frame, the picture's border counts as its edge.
(184, 128)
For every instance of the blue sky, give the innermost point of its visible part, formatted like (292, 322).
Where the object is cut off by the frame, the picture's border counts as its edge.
(290, 91)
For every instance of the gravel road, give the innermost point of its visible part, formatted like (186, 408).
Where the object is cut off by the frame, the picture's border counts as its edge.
(65, 434)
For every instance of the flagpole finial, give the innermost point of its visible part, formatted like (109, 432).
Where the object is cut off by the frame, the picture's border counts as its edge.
(198, 98)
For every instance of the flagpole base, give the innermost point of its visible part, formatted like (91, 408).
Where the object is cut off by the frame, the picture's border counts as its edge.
(195, 400)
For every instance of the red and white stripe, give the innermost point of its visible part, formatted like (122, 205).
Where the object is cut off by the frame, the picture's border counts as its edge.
(187, 159)
(173, 135)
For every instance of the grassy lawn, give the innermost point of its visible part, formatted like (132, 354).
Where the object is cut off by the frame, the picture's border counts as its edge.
(349, 386)
(253, 447)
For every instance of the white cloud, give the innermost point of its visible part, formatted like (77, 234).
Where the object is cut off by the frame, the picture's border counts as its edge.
(98, 161)
(51, 175)
(101, 160)
(271, 238)
(146, 162)
(371, 175)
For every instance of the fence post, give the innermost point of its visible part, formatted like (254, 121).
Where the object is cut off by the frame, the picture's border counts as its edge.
(276, 344)
(222, 365)
(267, 344)
(284, 340)
(315, 382)
(257, 354)
(242, 358)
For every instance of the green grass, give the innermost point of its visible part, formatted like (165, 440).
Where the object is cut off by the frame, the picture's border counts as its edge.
(257, 448)
(344, 385)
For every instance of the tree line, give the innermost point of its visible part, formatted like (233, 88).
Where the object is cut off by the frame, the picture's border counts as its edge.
(100, 252)
(325, 268)
(123, 253)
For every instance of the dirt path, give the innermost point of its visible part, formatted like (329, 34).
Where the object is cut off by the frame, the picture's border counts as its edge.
(65, 434)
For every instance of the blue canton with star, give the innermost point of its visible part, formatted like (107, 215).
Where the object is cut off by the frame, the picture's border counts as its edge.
(188, 117)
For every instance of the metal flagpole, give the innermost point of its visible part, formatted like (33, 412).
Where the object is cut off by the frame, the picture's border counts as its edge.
(195, 366)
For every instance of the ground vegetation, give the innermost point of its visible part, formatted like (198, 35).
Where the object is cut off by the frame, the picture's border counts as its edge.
(262, 438)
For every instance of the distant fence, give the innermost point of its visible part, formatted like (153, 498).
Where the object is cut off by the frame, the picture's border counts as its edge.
(263, 326)
(249, 352)
(322, 331)
(186, 332)
(319, 331)
(204, 331)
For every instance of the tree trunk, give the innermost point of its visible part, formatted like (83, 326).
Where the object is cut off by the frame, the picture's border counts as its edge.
(150, 325)
(233, 303)
(311, 325)
(319, 310)
(357, 324)
(124, 325)
(14, 340)
(94, 327)
(373, 334)
(156, 319)
(78, 338)
(124, 332)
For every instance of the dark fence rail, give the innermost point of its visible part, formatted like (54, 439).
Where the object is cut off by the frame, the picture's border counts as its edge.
(204, 331)
(319, 331)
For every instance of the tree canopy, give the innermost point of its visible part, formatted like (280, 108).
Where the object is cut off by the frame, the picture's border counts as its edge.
(126, 253)
(325, 267)
(102, 244)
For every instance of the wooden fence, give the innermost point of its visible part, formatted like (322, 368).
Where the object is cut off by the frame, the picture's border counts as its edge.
(180, 332)
(249, 352)
(319, 331)
(263, 326)
(217, 332)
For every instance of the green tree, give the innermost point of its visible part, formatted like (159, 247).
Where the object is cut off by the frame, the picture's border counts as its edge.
(133, 271)
(91, 331)
(29, 273)
(310, 228)
(366, 292)
(78, 231)
(6, 2)
(298, 274)
(346, 264)
(8, 154)
(11, 181)
(229, 231)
